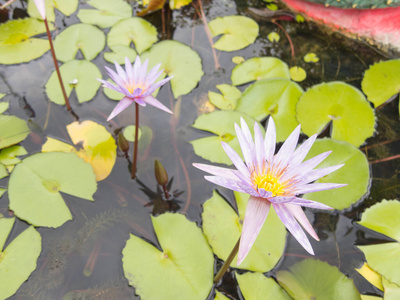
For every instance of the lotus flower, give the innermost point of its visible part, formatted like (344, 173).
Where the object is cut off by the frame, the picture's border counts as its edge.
(275, 180)
(136, 84)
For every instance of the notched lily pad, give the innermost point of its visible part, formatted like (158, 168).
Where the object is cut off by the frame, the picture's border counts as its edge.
(66, 7)
(353, 119)
(18, 259)
(80, 71)
(297, 74)
(238, 32)
(8, 156)
(257, 68)
(43, 176)
(12, 130)
(228, 99)
(182, 269)
(222, 227)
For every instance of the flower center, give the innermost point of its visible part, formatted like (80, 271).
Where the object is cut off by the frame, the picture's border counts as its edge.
(268, 182)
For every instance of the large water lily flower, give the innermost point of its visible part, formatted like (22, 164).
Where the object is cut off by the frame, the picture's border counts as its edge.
(136, 84)
(275, 180)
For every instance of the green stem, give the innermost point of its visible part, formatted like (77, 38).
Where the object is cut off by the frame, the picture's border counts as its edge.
(227, 263)
(135, 149)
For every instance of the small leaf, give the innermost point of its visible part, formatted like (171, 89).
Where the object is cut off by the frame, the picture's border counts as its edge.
(273, 37)
(220, 296)
(12, 130)
(238, 32)
(392, 290)
(299, 19)
(311, 57)
(237, 60)
(272, 6)
(228, 99)
(176, 4)
(189, 262)
(67, 7)
(129, 133)
(3, 171)
(297, 74)
(8, 156)
(3, 106)
(84, 72)
(258, 68)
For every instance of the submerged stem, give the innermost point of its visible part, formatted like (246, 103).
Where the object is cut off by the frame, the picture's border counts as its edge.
(135, 149)
(227, 263)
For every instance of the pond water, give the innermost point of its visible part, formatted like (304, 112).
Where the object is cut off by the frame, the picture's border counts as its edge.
(82, 258)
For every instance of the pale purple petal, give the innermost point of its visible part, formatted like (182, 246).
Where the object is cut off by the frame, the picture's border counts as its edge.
(270, 140)
(236, 160)
(301, 217)
(308, 203)
(123, 104)
(154, 74)
(318, 173)
(136, 92)
(155, 86)
(136, 68)
(140, 101)
(246, 132)
(285, 153)
(114, 76)
(264, 194)
(142, 75)
(291, 224)
(302, 151)
(153, 101)
(259, 147)
(217, 171)
(226, 183)
(255, 216)
(245, 147)
(129, 71)
(316, 187)
(281, 199)
(41, 8)
(121, 72)
(248, 189)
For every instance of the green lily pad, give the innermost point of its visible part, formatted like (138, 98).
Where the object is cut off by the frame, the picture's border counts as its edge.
(297, 74)
(273, 37)
(2, 191)
(222, 227)
(106, 14)
(88, 39)
(177, 60)
(3, 171)
(228, 99)
(8, 156)
(133, 30)
(2, 95)
(183, 269)
(275, 97)
(129, 133)
(18, 259)
(66, 7)
(311, 58)
(255, 286)
(43, 176)
(353, 119)
(221, 123)
(16, 42)
(3, 106)
(355, 173)
(382, 81)
(392, 290)
(303, 281)
(384, 258)
(112, 94)
(81, 71)
(220, 296)
(238, 32)
(238, 60)
(257, 68)
(12, 130)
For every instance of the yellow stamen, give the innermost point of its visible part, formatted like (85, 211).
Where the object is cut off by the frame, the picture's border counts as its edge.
(269, 182)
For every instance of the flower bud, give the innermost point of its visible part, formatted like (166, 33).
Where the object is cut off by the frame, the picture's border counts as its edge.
(161, 174)
(122, 142)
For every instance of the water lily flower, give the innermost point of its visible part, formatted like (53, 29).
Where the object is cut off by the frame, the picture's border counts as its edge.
(136, 84)
(41, 8)
(275, 180)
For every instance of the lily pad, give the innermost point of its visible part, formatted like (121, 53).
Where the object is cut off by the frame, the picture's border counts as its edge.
(222, 227)
(177, 60)
(3, 106)
(66, 7)
(86, 38)
(238, 60)
(8, 156)
(257, 68)
(106, 14)
(221, 123)
(228, 99)
(12, 130)
(220, 296)
(43, 176)
(81, 71)
(382, 81)
(133, 30)
(311, 58)
(384, 258)
(96, 146)
(3, 171)
(238, 32)
(303, 281)
(183, 269)
(16, 42)
(392, 290)
(18, 259)
(112, 94)
(2, 191)
(354, 173)
(255, 286)
(353, 119)
(297, 74)
(129, 133)
(273, 37)
(275, 97)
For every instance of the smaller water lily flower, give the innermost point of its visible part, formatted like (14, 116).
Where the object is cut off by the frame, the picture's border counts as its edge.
(275, 180)
(41, 8)
(136, 84)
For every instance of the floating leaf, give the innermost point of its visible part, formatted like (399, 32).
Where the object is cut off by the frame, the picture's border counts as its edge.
(133, 30)
(129, 133)
(238, 59)
(183, 269)
(228, 99)
(392, 290)
(384, 258)
(2, 95)
(238, 32)
(220, 296)
(257, 68)
(353, 119)
(106, 14)
(82, 71)
(311, 57)
(371, 276)
(176, 4)
(299, 19)
(18, 259)
(272, 6)
(16, 42)
(2, 191)
(67, 7)
(303, 281)
(255, 286)
(8, 156)
(221, 123)
(297, 74)
(43, 176)
(223, 227)
(273, 37)
(3, 171)
(177, 60)
(3, 106)
(382, 81)
(88, 39)
(96, 146)
(354, 173)
(275, 97)
(12, 130)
